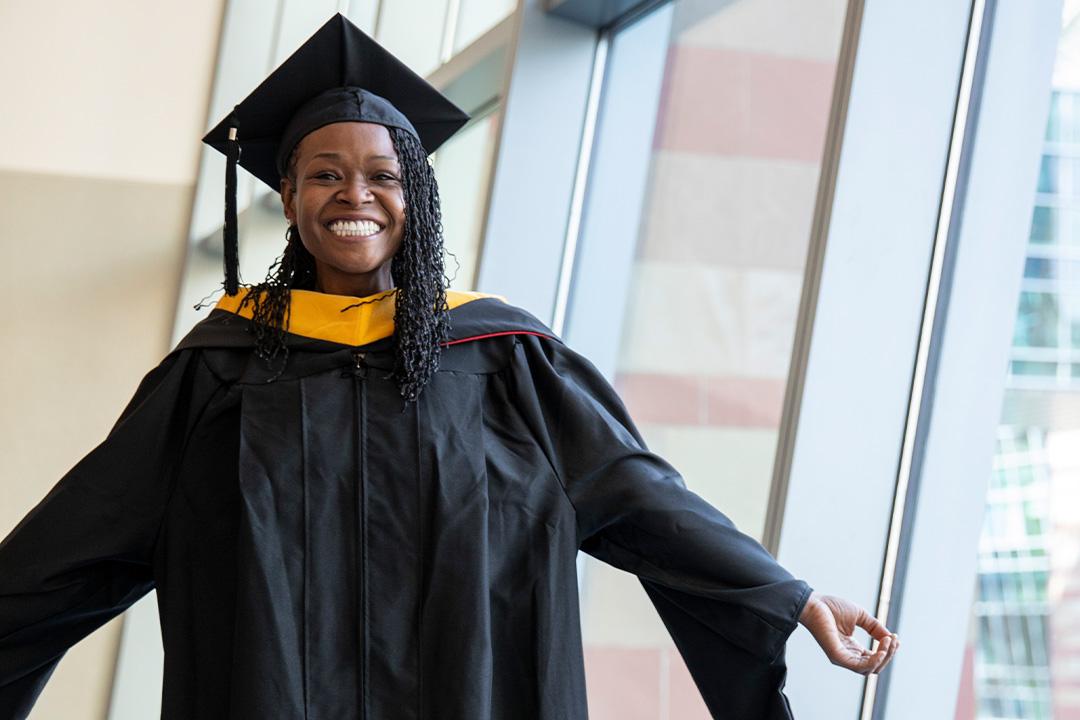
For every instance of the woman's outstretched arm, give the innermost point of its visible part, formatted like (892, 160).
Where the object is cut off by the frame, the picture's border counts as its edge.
(727, 603)
(83, 554)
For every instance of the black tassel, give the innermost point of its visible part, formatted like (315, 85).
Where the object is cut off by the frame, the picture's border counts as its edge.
(232, 250)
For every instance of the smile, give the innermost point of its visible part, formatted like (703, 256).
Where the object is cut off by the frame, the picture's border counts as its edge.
(354, 228)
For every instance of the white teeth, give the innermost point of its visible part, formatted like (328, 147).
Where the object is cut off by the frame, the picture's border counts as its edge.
(351, 228)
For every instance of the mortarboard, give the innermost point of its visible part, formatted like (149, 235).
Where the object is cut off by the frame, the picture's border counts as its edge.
(338, 74)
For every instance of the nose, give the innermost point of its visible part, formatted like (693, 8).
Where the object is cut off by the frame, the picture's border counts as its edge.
(355, 192)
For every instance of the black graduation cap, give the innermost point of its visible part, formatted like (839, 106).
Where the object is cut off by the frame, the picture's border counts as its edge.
(338, 74)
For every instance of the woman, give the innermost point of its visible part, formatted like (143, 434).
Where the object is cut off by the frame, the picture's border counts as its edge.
(361, 494)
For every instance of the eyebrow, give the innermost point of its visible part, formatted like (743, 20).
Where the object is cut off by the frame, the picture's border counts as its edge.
(338, 155)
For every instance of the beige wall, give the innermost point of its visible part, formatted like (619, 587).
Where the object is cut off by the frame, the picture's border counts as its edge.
(104, 105)
(111, 89)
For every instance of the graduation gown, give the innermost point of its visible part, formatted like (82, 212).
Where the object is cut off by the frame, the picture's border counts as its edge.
(321, 549)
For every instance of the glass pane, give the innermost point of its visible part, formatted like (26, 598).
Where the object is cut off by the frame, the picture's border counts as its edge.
(1044, 225)
(413, 31)
(1010, 661)
(1024, 640)
(711, 311)
(1049, 174)
(362, 13)
(1053, 123)
(477, 17)
(1069, 119)
(298, 20)
(1037, 320)
(462, 167)
(1029, 368)
(1040, 268)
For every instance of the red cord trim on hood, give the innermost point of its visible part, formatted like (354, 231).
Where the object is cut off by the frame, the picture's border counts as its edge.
(497, 334)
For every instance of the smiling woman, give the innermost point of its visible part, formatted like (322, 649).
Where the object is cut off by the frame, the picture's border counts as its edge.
(343, 191)
(340, 129)
(385, 521)
(351, 231)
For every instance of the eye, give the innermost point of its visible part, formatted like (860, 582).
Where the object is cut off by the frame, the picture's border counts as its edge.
(387, 176)
(325, 175)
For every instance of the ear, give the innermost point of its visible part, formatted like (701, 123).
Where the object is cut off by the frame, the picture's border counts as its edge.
(288, 199)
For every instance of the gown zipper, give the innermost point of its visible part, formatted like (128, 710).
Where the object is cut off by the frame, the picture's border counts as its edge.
(359, 373)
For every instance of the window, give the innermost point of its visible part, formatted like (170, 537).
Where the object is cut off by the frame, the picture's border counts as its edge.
(1023, 659)
(719, 241)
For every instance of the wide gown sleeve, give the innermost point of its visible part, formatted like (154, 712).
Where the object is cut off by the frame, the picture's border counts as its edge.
(83, 554)
(728, 605)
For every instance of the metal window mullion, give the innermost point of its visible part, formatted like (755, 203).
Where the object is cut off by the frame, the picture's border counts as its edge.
(450, 25)
(931, 332)
(581, 178)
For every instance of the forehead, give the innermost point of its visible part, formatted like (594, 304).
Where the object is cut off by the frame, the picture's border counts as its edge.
(348, 140)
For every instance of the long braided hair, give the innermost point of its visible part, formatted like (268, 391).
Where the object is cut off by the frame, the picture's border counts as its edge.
(421, 319)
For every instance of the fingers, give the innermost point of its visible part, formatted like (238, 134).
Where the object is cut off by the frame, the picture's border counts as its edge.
(865, 662)
(886, 649)
(892, 650)
(875, 661)
(857, 658)
(888, 642)
(872, 625)
(882, 654)
(834, 631)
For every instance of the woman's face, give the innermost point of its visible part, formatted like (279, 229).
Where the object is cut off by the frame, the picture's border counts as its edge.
(349, 205)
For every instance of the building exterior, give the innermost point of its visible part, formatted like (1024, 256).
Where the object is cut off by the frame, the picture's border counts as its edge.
(1023, 659)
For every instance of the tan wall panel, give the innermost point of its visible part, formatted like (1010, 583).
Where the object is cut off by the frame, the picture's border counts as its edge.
(90, 282)
(117, 88)
(105, 104)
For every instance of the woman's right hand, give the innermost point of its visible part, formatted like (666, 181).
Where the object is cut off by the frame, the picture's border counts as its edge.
(832, 621)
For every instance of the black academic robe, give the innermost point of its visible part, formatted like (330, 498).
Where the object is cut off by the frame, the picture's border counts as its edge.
(321, 549)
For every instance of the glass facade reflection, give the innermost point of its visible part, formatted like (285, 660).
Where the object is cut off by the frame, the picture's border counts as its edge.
(1023, 656)
(711, 312)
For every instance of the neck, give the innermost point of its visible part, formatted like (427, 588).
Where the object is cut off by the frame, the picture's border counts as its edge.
(328, 280)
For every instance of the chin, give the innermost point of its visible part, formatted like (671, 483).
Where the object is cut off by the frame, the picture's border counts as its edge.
(358, 268)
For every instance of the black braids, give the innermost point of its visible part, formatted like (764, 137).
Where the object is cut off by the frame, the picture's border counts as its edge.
(421, 313)
(270, 299)
(421, 317)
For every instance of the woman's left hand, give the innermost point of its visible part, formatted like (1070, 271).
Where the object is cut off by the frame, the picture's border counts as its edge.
(832, 622)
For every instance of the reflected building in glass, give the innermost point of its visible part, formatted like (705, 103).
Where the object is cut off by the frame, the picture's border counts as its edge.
(1023, 658)
(711, 311)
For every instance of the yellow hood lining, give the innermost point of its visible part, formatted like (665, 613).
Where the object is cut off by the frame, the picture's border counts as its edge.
(321, 316)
